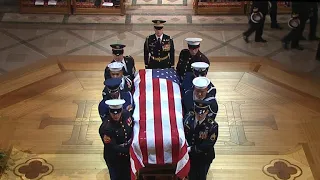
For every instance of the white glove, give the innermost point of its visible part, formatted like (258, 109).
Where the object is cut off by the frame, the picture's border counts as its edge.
(189, 148)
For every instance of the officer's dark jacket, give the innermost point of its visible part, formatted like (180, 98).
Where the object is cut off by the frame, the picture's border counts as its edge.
(202, 138)
(167, 48)
(113, 134)
(130, 68)
(188, 85)
(185, 61)
(301, 7)
(103, 108)
(188, 103)
(261, 5)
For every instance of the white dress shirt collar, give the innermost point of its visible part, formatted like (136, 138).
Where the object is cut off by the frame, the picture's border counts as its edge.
(160, 37)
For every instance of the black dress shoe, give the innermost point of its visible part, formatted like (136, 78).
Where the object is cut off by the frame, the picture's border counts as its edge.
(297, 47)
(261, 40)
(285, 45)
(245, 38)
(276, 26)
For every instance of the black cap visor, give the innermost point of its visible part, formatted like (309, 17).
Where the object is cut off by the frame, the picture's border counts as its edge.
(193, 46)
(117, 52)
(158, 27)
(115, 111)
(202, 72)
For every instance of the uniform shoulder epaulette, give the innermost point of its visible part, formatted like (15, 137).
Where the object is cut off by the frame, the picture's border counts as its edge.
(190, 113)
(185, 50)
(212, 121)
(129, 57)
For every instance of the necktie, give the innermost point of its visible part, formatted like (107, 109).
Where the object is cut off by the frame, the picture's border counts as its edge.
(159, 43)
(124, 66)
(197, 124)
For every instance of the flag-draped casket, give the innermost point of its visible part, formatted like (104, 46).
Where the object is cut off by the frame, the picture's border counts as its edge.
(158, 135)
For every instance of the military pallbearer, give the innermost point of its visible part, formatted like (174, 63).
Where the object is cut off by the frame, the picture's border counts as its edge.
(127, 61)
(199, 69)
(201, 91)
(112, 91)
(201, 134)
(189, 56)
(116, 71)
(116, 134)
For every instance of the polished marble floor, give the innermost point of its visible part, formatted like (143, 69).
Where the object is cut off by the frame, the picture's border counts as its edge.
(24, 43)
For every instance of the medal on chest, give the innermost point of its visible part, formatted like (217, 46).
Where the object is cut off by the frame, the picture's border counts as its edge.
(203, 134)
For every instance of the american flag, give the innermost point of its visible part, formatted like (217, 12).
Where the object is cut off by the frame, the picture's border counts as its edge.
(158, 134)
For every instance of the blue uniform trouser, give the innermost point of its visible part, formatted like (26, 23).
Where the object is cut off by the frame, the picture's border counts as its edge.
(112, 172)
(198, 169)
(120, 170)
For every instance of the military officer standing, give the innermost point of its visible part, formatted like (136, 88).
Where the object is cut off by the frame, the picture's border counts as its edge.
(189, 56)
(258, 15)
(200, 91)
(112, 91)
(300, 14)
(127, 61)
(201, 134)
(273, 14)
(116, 134)
(313, 16)
(199, 69)
(158, 48)
(116, 71)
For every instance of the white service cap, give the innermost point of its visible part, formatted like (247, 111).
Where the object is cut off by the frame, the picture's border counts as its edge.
(115, 103)
(193, 41)
(201, 82)
(115, 66)
(199, 65)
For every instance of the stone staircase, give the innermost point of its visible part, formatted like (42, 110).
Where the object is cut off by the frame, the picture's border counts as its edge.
(159, 7)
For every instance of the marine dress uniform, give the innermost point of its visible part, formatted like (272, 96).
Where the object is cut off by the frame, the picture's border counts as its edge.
(116, 71)
(129, 69)
(116, 134)
(201, 134)
(189, 56)
(112, 91)
(199, 69)
(158, 48)
(200, 91)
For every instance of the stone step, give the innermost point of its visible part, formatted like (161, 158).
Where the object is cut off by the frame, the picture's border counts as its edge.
(159, 10)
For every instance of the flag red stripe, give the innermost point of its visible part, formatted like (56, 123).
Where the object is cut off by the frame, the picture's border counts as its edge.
(185, 170)
(133, 156)
(173, 124)
(133, 176)
(157, 121)
(142, 120)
